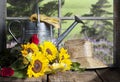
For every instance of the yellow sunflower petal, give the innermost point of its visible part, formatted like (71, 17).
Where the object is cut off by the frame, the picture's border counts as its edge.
(49, 50)
(64, 57)
(58, 66)
(67, 63)
(29, 48)
(37, 65)
(63, 54)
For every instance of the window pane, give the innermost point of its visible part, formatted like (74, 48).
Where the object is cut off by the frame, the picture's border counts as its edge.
(49, 7)
(100, 8)
(24, 8)
(20, 8)
(75, 33)
(98, 32)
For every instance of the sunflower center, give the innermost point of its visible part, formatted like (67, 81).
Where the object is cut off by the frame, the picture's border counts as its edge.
(34, 18)
(49, 51)
(62, 58)
(29, 50)
(37, 66)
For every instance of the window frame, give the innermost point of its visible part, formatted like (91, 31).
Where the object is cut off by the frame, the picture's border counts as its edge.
(115, 19)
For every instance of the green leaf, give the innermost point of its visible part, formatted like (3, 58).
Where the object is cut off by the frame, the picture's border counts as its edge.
(20, 74)
(19, 65)
(76, 67)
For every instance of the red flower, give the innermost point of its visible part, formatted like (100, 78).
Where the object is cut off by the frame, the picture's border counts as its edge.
(6, 71)
(35, 39)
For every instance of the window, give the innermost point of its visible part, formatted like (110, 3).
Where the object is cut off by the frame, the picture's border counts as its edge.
(96, 14)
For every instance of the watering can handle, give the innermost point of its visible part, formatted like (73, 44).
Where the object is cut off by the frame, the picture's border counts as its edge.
(9, 29)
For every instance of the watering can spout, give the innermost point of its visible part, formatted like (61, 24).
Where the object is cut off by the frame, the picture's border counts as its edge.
(78, 20)
(69, 29)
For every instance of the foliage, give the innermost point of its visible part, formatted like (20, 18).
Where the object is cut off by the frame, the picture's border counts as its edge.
(98, 29)
(76, 67)
(29, 7)
(7, 57)
(100, 32)
(15, 7)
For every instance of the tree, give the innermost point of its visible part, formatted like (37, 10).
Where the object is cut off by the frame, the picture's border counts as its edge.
(27, 7)
(100, 32)
(98, 29)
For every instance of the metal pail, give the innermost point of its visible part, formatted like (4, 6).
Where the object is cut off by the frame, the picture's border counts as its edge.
(44, 31)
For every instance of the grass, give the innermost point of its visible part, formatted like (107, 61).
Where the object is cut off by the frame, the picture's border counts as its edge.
(78, 8)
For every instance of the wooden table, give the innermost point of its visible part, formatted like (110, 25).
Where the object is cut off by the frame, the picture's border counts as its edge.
(93, 75)
(96, 75)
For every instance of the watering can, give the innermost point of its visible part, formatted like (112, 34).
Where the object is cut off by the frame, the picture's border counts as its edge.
(28, 28)
(44, 32)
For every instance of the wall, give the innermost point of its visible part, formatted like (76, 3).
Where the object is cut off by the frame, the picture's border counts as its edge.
(117, 33)
(2, 25)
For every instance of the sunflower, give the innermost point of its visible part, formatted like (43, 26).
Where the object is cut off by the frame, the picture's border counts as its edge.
(63, 54)
(37, 65)
(58, 66)
(65, 59)
(29, 48)
(67, 64)
(55, 67)
(49, 69)
(49, 50)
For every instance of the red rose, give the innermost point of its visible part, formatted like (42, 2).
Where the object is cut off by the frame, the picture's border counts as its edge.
(6, 71)
(35, 39)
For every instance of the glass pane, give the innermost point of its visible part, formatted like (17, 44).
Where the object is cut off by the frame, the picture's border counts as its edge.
(100, 8)
(98, 32)
(75, 33)
(24, 8)
(49, 7)
(20, 8)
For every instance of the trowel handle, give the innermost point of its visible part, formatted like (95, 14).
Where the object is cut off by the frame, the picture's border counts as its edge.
(10, 31)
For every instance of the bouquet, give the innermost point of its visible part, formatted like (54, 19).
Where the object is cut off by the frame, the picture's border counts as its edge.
(44, 59)
(36, 60)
